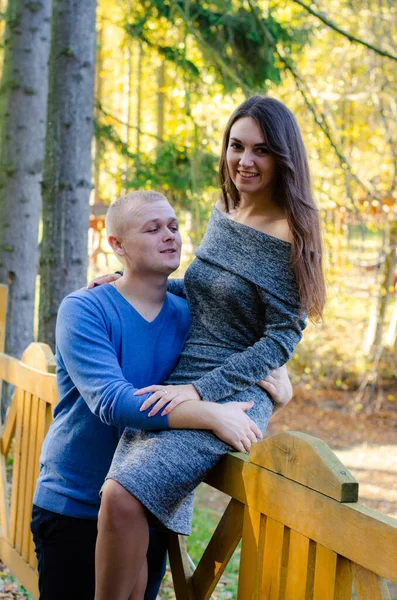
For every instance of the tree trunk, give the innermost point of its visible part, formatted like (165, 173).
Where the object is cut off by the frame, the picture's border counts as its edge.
(160, 103)
(98, 99)
(128, 88)
(67, 171)
(139, 103)
(367, 387)
(384, 292)
(23, 101)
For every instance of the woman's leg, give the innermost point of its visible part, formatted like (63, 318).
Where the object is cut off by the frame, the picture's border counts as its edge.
(122, 543)
(139, 590)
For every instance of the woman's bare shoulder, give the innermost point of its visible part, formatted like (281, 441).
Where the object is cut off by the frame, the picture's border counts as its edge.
(281, 230)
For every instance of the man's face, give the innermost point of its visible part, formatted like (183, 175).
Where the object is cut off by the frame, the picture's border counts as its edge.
(151, 241)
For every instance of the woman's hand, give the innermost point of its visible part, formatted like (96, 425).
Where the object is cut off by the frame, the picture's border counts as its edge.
(170, 395)
(235, 427)
(103, 279)
(278, 385)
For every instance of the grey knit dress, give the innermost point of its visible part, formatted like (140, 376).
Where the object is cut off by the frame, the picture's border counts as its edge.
(245, 322)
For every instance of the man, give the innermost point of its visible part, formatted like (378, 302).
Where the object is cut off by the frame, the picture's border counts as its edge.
(111, 341)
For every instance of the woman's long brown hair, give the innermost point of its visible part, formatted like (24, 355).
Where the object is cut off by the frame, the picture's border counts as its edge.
(292, 191)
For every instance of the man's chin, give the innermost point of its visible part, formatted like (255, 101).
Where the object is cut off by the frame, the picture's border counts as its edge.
(172, 268)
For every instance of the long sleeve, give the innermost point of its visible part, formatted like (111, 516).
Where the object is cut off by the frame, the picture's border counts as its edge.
(282, 333)
(177, 287)
(86, 354)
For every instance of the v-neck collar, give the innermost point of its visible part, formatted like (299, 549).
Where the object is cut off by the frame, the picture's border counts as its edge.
(148, 324)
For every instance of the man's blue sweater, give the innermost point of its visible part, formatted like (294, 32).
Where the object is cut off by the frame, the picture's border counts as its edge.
(105, 351)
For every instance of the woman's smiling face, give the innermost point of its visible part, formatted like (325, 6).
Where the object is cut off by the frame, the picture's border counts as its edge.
(251, 166)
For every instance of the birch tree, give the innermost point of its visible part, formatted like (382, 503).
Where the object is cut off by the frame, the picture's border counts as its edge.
(23, 100)
(67, 172)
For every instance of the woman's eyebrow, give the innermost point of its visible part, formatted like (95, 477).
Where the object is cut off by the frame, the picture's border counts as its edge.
(255, 145)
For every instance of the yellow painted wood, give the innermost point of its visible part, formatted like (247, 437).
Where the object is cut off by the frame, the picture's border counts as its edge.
(343, 580)
(29, 379)
(4, 503)
(3, 314)
(219, 551)
(43, 422)
(40, 357)
(311, 566)
(9, 427)
(249, 554)
(325, 572)
(369, 586)
(290, 454)
(275, 547)
(298, 562)
(30, 478)
(359, 533)
(21, 525)
(180, 567)
(22, 571)
(16, 468)
(260, 559)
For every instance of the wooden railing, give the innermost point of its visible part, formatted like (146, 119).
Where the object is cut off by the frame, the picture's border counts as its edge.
(295, 506)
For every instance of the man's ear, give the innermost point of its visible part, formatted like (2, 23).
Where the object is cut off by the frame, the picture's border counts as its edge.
(115, 245)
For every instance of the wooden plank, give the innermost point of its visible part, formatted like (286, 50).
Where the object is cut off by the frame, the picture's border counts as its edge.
(16, 469)
(325, 573)
(344, 579)
(3, 314)
(43, 421)
(30, 478)
(298, 562)
(369, 586)
(180, 567)
(4, 502)
(32, 380)
(9, 427)
(22, 571)
(361, 534)
(249, 554)
(219, 551)
(306, 460)
(275, 548)
(259, 575)
(20, 525)
(40, 357)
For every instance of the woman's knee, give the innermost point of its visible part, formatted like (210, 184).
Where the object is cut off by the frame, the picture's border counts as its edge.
(118, 506)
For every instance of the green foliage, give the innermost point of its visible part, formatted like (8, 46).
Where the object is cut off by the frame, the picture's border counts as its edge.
(169, 167)
(231, 33)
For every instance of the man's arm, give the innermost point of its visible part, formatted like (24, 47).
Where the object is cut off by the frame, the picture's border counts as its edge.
(85, 351)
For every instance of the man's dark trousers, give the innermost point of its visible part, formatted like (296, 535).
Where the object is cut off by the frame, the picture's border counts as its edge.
(65, 549)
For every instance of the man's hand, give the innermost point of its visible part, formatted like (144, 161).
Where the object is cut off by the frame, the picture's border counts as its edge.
(278, 385)
(234, 427)
(103, 279)
(170, 395)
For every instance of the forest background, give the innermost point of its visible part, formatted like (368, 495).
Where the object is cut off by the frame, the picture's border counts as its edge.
(99, 100)
(144, 89)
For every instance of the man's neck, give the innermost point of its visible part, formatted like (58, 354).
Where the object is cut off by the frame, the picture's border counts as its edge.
(145, 293)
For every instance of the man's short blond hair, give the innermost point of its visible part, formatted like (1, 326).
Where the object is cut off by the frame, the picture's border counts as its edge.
(115, 219)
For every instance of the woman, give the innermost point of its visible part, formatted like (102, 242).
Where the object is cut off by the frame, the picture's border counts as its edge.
(256, 274)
